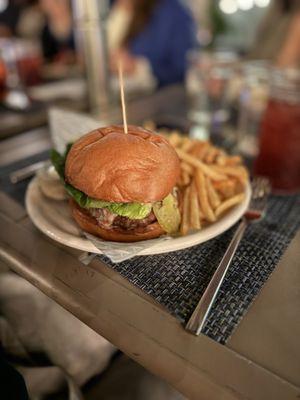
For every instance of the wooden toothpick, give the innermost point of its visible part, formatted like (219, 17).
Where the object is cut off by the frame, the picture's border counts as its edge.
(121, 83)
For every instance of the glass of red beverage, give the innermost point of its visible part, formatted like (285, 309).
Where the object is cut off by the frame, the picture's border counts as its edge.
(2, 79)
(279, 141)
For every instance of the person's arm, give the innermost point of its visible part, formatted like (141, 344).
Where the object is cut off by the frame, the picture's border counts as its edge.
(289, 55)
(137, 70)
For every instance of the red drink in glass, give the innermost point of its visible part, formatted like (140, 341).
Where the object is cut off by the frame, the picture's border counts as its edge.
(279, 150)
(2, 80)
(29, 70)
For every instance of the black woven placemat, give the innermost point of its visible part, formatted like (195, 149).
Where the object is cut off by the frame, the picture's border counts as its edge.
(177, 280)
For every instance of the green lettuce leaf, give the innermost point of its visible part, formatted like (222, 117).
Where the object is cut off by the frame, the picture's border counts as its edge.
(131, 210)
(58, 161)
(81, 198)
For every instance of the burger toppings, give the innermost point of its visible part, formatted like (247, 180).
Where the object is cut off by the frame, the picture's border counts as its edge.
(168, 214)
(165, 212)
(103, 216)
(107, 220)
(123, 215)
(127, 223)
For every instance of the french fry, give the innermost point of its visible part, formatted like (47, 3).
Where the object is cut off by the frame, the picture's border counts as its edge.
(149, 124)
(202, 217)
(184, 140)
(238, 172)
(200, 149)
(203, 196)
(239, 187)
(226, 188)
(194, 208)
(187, 167)
(187, 145)
(211, 155)
(184, 227)
(215, 175)
(185, 178)
(211, 181)
(164, 133)
(221, 160)
(233, 160)
(175, 139)
(229, 203)
(213, 197)
(180, 181)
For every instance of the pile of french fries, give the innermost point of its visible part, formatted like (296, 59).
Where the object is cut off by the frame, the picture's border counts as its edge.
(211, 181)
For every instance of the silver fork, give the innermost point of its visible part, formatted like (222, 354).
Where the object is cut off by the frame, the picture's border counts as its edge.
(255, 212)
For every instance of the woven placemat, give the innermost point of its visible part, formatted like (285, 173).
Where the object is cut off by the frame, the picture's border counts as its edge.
(177, 280)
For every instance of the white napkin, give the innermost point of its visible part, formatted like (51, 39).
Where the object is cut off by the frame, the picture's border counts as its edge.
(68, 126)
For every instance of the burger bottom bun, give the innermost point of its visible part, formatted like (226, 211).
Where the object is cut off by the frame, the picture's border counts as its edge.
(89, 224)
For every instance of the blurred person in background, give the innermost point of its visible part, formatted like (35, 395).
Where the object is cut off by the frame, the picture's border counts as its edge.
(57, 37)
(289, 55)
(278, 37)
(151, 38)
(20, 18)
(48, 22)
(10, 11)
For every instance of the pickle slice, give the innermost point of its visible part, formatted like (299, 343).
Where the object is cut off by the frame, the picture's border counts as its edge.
(168, 214)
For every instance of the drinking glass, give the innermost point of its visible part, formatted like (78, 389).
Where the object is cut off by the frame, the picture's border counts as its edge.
(252, 102)
(279, 143)
(207, 83)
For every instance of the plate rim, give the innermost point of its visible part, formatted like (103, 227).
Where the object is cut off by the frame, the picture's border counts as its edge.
(167, 246)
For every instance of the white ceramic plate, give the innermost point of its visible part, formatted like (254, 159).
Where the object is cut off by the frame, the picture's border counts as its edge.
(54, 219)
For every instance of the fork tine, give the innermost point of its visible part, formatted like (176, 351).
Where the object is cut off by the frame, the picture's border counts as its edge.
(255, 187)
(260, 186)
(260, 191)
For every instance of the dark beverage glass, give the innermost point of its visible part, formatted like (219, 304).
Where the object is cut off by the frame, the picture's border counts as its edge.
(279, 142)
(2, 79)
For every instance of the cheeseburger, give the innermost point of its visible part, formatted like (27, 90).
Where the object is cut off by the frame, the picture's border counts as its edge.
(121, 186)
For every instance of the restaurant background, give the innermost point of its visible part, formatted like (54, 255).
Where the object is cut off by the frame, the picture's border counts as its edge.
(221, 70)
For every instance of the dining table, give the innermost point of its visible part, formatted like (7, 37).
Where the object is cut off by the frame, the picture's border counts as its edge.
(259, 361)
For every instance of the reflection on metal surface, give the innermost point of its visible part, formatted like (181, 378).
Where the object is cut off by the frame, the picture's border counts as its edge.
(26, 172)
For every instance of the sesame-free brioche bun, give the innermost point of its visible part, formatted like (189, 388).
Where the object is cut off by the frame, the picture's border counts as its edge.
(89, 224)
(107, 164)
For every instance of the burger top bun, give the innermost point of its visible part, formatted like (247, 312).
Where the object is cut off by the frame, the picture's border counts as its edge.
(107, 164)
